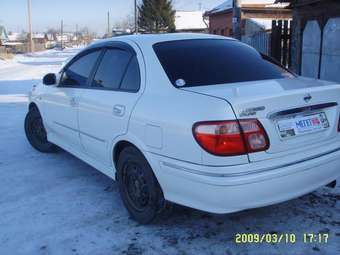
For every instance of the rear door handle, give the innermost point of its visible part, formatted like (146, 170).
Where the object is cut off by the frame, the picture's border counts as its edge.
(119, 110)
(73, 102)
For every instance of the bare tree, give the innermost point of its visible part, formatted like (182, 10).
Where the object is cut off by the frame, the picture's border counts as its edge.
(125, 23)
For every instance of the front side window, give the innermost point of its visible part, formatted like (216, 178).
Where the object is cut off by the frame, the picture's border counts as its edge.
(111, 69)
(77, 74)
(201, 62)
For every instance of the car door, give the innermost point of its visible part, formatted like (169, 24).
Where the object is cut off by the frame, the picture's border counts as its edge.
(61, 101)
(105, 108)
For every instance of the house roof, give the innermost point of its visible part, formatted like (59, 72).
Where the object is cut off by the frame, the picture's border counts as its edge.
(228, 5)
(13, 37)
(38, 36)
(266, 24)
(189, 20)
(3, 33)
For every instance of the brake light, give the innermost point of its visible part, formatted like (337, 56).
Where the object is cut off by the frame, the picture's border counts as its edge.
(231, 137)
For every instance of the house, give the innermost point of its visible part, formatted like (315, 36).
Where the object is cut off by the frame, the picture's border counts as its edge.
(19, 38)
(316, 38)
(39, 38)
(190, 21)
(256, 15)
(65, 38)
(3, 35)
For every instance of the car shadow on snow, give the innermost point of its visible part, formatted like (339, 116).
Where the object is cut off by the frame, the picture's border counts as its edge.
(185, 226)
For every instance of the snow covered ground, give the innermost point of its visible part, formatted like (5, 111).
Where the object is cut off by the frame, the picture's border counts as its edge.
(56, 204)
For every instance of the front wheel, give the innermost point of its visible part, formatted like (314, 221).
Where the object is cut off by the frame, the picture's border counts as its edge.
(139, 188)
(36, 133)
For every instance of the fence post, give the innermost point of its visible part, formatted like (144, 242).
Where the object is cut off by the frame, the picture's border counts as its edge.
(290, 37)
(285, 43)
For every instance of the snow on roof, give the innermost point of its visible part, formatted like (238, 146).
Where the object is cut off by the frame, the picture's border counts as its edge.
(65, 37)
(38, 36)
(229, 5)
(257, 1)
(222, 7)
(186, 20)
(17, 37)
(264, 23)
(12, 43)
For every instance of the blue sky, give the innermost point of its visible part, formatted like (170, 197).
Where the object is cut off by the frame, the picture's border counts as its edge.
(90, 13)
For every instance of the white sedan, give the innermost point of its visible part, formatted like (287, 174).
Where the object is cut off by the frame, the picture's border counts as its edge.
(199, 120)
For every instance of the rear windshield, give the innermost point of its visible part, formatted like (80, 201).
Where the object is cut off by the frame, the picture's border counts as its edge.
(201, 62)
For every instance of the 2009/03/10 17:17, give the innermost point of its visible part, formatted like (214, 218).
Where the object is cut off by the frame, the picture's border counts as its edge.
(280, 238)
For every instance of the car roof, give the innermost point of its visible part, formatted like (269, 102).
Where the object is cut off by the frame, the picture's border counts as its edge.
(151, 39)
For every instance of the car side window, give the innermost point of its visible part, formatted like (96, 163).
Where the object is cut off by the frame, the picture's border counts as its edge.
(131, 81)
(111, 69)
(77, 74)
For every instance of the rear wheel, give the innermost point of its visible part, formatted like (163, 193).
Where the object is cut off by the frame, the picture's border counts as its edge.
(36, 133)
(139, 188)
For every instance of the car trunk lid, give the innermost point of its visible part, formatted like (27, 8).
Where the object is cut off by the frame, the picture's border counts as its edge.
(298, 114)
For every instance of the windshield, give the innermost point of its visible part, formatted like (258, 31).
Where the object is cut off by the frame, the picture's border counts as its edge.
(201, 62)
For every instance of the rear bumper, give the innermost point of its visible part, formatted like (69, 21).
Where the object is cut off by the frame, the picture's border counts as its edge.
(212, 189)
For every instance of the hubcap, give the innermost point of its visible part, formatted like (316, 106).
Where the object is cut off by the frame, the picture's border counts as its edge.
(136, 186)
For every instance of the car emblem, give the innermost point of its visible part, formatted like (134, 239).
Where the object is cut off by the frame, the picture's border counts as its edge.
(307, 98)
(251, 111)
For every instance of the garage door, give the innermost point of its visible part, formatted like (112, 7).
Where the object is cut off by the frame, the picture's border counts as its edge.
(330, 59)
(311, 49)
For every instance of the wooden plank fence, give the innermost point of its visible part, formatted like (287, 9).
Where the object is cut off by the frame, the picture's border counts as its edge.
(275, 43)
(281, 42)
(260, 41)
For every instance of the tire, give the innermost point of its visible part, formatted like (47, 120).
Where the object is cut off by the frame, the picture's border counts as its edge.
(36, 133)
(139, 188)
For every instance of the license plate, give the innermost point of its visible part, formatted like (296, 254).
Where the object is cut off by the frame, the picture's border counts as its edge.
(301, 125)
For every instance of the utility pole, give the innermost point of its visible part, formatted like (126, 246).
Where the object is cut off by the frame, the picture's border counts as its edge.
(77, 36)
(237, 19)
(31, 46)
(136, 18)
(108, 25)
(61, 34)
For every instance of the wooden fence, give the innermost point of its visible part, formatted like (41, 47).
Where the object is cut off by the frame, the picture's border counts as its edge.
(275, 43)
(260, 41)
(20, 48)
(281, 42)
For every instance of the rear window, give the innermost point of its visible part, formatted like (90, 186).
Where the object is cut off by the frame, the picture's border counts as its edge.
(202, 62)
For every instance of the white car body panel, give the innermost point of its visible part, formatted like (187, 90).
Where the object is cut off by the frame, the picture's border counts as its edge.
(158, 120)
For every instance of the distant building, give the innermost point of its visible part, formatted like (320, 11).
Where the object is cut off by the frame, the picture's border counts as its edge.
(256, 15)
(64, 38)
(39, 38)
(3, 35)
(17, 37)
(190, 21)
(316, 38)
(118, 32)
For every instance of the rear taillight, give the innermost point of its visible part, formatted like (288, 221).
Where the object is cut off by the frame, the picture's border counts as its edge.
(231, 137)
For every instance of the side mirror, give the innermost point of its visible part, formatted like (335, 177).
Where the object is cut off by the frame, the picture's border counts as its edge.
(50, 79)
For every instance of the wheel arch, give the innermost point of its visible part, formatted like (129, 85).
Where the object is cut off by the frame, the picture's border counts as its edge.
(124, 142)
(32, 106)
(118, 148)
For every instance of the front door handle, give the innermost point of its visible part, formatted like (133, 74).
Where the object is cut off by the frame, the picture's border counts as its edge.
(119, 110)
(73, 102)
